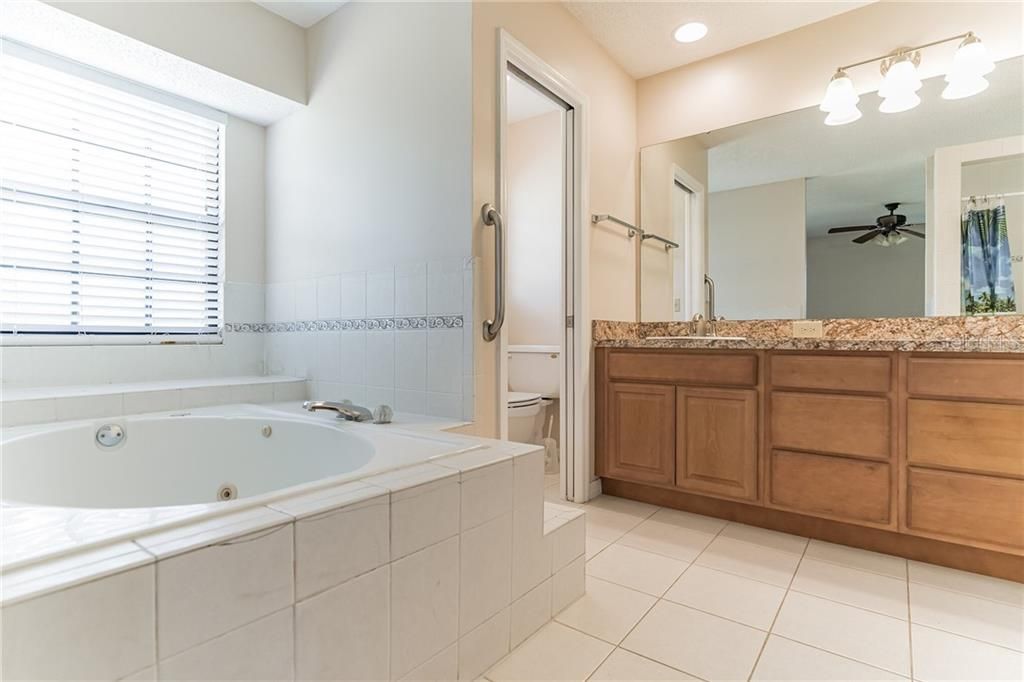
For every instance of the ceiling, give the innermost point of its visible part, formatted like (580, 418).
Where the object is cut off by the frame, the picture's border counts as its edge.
(638, 35)
(305, 14)
(523, 101)
(852, 170)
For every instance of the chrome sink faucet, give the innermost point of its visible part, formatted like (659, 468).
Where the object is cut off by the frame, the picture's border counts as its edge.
(706, 326)
(350, 412)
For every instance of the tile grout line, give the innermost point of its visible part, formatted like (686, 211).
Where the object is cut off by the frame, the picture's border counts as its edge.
(910, 623)
(657, 600)
(779, 610)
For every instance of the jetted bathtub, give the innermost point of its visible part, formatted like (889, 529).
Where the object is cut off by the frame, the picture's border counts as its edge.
(169, 467)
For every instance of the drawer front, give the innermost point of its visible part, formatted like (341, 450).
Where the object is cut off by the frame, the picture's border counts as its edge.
(837, 424)
(993, 379)
(969, 507)
(869, 374)
(983, 437)
(849, 489)
(699, 368)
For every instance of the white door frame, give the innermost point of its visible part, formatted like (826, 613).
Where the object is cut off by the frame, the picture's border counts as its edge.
(693, 254)
(576, 399)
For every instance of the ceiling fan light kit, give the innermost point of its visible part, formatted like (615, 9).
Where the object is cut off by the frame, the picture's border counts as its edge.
(888, 230)
(900, 80)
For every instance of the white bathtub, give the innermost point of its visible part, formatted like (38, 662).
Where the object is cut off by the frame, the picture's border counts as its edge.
(61, 490)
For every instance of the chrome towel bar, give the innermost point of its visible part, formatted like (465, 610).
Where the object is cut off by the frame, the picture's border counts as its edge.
(604, 217)
(669, 244)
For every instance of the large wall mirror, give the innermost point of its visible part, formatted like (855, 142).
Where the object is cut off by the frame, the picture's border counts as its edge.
(909, 214)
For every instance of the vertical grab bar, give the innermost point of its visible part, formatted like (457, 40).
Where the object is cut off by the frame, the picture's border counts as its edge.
(491, 216)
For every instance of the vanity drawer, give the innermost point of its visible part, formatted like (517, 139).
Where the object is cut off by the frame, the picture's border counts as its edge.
(702, 369)
(837, 424)
(983, 437)
(858, 373)
(967, 506)
(848, 489)
(945, 377)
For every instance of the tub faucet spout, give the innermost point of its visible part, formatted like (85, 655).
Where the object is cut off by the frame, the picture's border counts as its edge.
(346, 410)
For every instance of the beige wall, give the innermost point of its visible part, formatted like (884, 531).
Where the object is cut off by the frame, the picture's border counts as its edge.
(790, 71)
(756, 251)
(239, 39)
(656, 215)
(556, 37)
(534, 219)
(864, 280)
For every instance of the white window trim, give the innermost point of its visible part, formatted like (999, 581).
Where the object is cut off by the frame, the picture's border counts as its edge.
(126, 338)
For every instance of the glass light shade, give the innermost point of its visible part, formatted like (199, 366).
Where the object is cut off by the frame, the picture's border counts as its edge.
(895, 103)
(881, 240)
(971, 59)
(961, 86)
(839, 95)
(900, 78)
(841, 117)
(896, 238)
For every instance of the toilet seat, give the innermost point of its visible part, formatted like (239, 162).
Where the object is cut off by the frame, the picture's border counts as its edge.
(518, 399)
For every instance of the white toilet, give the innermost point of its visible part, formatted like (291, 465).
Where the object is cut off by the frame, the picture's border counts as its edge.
(533, 373)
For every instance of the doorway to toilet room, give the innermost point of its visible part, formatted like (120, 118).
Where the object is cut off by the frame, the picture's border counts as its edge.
(539, 196)
(534, 215)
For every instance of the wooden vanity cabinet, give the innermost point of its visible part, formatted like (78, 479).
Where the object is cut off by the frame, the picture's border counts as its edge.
(685, 420)
(640, 432)
(917, 454)
(716, 441)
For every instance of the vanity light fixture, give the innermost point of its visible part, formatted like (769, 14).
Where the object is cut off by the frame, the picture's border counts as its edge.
(690, 32)
(901, 82)
(840, 100)
(971, 64)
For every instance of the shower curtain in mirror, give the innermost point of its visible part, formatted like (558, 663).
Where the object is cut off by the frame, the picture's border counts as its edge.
(986, 277)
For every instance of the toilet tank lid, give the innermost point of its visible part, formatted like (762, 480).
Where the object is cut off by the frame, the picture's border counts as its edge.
(534, 349)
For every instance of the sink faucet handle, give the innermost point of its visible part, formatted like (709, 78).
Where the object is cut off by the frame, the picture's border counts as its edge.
(383, 414)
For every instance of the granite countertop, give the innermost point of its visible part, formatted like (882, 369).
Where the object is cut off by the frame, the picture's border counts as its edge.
(981, 334)
(921, 345)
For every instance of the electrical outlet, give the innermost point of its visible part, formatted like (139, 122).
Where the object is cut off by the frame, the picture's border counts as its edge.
(807, 329)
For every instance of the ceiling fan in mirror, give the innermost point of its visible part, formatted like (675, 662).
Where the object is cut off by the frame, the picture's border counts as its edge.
(888, 230)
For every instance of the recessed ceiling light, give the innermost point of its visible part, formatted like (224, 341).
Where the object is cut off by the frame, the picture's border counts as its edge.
(691, 32)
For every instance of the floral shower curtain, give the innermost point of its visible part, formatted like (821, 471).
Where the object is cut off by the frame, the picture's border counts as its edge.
(986, 281)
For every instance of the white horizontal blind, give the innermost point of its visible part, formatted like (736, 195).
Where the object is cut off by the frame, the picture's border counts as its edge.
(110, 209)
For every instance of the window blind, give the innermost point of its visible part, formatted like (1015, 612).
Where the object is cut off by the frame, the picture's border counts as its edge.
(110, 209)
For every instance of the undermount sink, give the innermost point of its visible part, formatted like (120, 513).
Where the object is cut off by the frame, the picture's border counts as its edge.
(696, 338)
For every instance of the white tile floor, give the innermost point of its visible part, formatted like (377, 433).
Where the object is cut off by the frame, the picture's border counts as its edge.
(677, 596)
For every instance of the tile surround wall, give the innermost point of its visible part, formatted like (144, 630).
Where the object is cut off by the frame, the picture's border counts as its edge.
(396, 335)
(424, 585)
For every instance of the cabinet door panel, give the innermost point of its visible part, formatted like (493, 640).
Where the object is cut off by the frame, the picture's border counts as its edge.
(640, 432)
(836, 487)
(969, 508)
(716, 441)
(836, 424)
(982, 437)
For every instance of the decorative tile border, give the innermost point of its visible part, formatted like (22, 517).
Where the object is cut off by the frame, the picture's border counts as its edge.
(340, 325)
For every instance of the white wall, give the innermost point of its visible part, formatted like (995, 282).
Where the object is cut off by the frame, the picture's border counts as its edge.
(241, 353)
(864, 280)
(534, 218)
(368, 191)
(756, 251)
(239, 39)
(998, 176)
